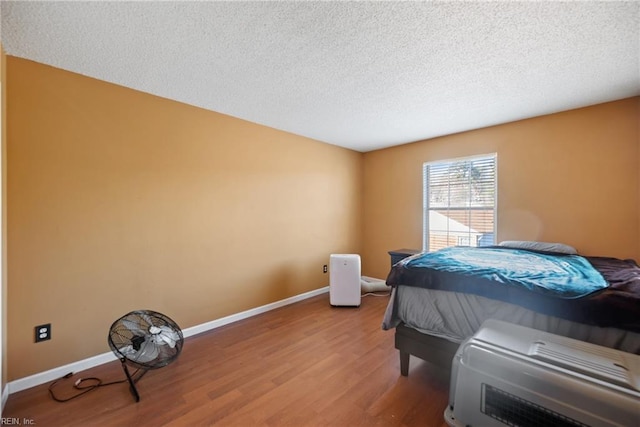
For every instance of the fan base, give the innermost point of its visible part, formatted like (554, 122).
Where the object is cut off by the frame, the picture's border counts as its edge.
(132, 380)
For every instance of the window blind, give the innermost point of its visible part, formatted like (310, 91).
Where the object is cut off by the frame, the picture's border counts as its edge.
(459, 202)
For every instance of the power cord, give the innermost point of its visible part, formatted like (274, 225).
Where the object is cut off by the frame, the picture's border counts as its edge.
(81, 386)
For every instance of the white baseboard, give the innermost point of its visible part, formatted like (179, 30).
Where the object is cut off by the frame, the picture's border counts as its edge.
(198, 329)
(55, 373)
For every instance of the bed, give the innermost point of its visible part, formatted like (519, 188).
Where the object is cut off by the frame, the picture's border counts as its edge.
(439, 299)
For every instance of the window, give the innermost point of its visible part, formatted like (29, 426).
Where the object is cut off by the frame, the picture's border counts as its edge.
(459, 202)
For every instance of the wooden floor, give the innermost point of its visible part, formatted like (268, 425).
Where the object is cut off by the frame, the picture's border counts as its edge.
(306, 364)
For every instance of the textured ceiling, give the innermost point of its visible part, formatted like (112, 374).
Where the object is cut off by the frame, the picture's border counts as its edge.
(362, 75)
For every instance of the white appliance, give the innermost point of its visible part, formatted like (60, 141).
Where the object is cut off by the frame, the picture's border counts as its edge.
(511, 375)
(344, 280)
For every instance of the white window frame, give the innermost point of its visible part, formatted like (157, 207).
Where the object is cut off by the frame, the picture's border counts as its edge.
(425, 192)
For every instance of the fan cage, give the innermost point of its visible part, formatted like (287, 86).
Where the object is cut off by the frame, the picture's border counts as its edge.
(121, 336)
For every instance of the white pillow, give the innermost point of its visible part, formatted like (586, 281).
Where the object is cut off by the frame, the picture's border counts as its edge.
(540, 246)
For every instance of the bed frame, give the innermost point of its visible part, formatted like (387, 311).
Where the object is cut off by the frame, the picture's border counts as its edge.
(409, 341)
(432, 349)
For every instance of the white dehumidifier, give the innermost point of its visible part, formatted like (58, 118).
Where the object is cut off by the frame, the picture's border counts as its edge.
(507, 374)
(344, 280)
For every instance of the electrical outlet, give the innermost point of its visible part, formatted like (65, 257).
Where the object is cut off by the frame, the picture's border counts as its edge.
(43, 332)
(324, 268)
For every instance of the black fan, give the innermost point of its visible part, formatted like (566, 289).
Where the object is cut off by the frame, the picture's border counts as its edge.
(146, 340)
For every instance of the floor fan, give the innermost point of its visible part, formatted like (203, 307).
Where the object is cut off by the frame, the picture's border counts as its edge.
(145, 340)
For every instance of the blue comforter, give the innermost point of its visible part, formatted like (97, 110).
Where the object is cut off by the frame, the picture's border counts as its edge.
(561, 276)
(594, 290)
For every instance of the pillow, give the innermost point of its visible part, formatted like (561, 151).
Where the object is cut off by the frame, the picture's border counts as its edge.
(540, 246)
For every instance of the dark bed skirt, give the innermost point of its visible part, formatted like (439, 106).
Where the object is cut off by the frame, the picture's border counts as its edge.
(427, 347)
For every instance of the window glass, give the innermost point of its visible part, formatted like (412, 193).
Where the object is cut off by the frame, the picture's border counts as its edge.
(459, 202)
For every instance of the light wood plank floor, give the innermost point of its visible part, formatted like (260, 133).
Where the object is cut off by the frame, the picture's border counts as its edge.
(306, 364)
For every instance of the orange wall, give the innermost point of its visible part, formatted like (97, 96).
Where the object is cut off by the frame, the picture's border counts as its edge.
(570, 177)
(119, 200)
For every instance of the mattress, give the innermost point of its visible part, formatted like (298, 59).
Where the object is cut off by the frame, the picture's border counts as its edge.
(472, 271)
(457, 316)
